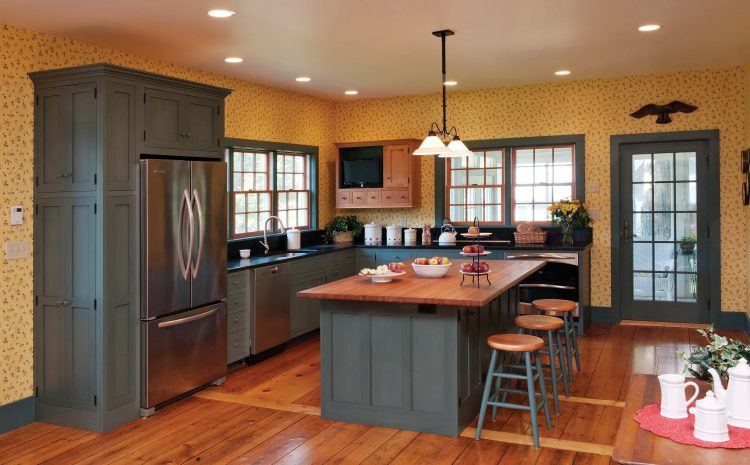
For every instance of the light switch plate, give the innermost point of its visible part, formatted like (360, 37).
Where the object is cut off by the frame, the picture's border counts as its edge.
(16, 250)
(16, 215)
(592, 187)
(594, 213)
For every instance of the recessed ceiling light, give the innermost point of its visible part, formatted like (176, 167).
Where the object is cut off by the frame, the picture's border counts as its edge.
(233, 59)
(649, 27)
(303, 79)
(562, 72)
(221, 13)
(450, 83)
(351, 92)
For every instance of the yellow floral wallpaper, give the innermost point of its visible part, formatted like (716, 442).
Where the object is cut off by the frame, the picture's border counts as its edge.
(596, 108)
(252, 112)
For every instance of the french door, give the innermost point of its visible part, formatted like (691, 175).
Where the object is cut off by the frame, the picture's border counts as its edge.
(664, 231)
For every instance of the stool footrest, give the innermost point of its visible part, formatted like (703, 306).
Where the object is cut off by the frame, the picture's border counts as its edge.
(514, 406)
(505, 375)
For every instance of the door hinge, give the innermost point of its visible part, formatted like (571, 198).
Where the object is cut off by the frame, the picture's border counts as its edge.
(36, 300)
(218, 141)
(96, 93)
(144, 135)
(218, 109)
(95, 179)
(36, 180)
(36, 391)
(94, 304)
(36, 100)
(36, 209)
(144, 97)
(708, 231)
(94, 401)
(94, 209)
(459, 401)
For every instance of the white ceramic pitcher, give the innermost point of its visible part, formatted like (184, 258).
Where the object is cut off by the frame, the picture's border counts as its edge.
(673, 402)
(736, 397)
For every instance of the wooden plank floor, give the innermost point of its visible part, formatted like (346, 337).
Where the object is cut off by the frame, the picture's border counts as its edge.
(269, 414)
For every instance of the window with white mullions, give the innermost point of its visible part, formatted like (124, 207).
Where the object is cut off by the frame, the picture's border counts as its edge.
(292, 189)
(541, 176)
(475, 187)
(251, 192)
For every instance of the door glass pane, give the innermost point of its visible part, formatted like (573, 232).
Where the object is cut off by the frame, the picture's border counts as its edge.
(664, 256)
(642, 256)
(663, 226)
(643, 286)
(687, 257)
(687, 287)
(642, 167)
(663, 169)
(664, 286)
(663, 197)
(687, 225)
(642, 197)
(642, 226)
(686, 196)
(685, 169)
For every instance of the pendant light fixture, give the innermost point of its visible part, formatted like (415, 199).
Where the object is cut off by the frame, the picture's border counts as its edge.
(433, 144)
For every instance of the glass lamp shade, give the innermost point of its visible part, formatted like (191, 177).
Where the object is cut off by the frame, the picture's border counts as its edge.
(431, 145)
(456, 149)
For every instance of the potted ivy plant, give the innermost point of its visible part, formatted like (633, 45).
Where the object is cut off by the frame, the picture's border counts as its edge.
(687, 244)
(720, 353)
(343, 229)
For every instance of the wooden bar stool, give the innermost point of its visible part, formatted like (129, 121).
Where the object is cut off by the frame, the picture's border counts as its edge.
(538, 325)
(516, 343)
(563, 308)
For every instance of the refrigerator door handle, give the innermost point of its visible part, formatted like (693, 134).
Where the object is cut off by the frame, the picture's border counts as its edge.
(188, 319)
(196, 266)
(185, 206)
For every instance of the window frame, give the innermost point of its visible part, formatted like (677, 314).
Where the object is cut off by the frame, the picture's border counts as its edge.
(507, 145)
(233, 193)
(272, 148)
(305, 177)
(484, 185)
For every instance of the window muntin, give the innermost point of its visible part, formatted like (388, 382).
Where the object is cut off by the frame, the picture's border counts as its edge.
(292, 189)
(541, 176)
(475, 187)
(251, 192)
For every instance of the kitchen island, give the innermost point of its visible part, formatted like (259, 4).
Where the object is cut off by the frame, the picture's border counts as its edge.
(411, 353)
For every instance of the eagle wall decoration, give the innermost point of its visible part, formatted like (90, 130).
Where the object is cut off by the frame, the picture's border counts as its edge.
(663, 111)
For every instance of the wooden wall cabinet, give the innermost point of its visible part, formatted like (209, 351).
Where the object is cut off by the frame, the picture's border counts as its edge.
(91, 127)
(401, 178)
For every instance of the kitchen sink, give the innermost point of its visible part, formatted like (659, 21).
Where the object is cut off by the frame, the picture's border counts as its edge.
(299, 253)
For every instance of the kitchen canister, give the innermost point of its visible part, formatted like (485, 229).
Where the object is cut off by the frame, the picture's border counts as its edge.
(373, 234)
(293, 239)
(393, 234)
(410, 237)
(710, 419)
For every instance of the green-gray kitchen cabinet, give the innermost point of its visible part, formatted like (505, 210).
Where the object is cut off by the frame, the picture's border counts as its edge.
(366, 258)
(239, 299)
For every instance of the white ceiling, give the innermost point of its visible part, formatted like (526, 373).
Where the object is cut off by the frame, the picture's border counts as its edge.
(385, 47)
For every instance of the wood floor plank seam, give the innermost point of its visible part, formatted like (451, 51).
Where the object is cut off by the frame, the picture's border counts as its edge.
(552, 443)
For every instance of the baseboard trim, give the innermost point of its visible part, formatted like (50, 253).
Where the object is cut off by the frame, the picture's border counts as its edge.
(664, 324)
(605, 315)
(732, 320)
(17, 414)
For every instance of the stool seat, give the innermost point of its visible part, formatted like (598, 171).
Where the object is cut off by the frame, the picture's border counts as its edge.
(538, 322)
(554, 305)
(515, 342)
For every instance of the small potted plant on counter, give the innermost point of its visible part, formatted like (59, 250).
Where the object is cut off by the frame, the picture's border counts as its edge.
(573, 217)
(687, 244)
(343, 229)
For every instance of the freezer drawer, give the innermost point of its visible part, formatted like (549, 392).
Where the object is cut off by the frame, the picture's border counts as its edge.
(183, 352)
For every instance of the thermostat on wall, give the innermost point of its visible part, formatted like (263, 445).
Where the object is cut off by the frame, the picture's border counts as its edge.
(16, 215)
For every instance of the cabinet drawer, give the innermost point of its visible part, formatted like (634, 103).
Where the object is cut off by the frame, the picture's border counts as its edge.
(395, 196)
(238, 344)
(237, 302)
(343, 198)
(374, 198)
(237, 281)
(237, 320)
(358, 197)
(402, 255)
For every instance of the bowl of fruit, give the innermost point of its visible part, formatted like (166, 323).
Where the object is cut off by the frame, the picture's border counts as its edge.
(435, 267)
(384, 273)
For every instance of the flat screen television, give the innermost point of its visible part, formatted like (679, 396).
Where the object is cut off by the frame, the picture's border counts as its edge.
(362, 172)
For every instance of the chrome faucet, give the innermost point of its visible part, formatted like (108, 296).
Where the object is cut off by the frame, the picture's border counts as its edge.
(265, 231)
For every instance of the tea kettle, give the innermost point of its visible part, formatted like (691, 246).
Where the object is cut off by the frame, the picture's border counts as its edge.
(447, 235)
(735, 396)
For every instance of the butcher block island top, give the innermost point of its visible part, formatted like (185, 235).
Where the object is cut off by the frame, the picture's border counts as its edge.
(412, 289)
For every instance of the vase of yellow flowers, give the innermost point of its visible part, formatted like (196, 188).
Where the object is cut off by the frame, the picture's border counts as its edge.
(570, 215)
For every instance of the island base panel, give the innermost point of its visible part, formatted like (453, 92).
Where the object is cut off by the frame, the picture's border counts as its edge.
(408, 366)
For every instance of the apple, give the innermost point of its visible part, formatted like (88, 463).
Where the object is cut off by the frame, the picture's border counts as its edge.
(433, 261)
(396, 267)
(482, 267)
(445, 261)
(467, 267)
(479, 248)
(422, 261)
(468, 249)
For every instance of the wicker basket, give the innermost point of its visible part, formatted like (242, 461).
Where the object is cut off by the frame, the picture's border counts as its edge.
(343, 237)
(531, 237)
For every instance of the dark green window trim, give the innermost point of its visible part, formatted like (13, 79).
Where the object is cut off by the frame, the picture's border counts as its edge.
(507, 145)
(714, 211)
(274, 147)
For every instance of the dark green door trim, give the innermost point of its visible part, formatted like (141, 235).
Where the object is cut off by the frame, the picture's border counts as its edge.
(711, 137)
(506, 145)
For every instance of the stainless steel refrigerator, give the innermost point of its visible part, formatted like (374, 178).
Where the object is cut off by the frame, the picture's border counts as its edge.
(183, 278)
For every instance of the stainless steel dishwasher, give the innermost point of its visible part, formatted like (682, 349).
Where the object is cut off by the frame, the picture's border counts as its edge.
(270, 310)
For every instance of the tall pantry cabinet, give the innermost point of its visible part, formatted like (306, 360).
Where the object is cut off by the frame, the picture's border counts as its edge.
(92, 124)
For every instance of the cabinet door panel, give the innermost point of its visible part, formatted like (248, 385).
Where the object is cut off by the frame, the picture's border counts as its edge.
(312, 307)
(201, 123)
(396, 166)
(82, 138)
(82, 357)
(121, 159)
(50, 142)
(51, 366)
(50, 257)
(162, 119)
(81, 269)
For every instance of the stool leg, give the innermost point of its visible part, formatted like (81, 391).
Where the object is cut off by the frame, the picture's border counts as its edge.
(498, 383)
(532, 398)
(552, 369)
(568, 347)
(574, 335)
(486, 395)
(543, 390)
(566, 377)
